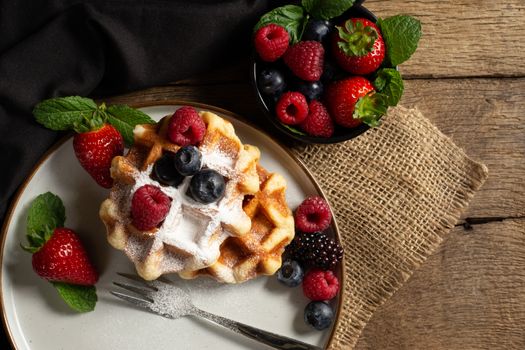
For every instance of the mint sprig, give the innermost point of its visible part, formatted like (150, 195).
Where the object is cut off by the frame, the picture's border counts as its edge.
(83, 114)
(79, 298)
(46, 213)
(327, 9)
(389, 83)
(292, 17)
(401, 35)
(62, 113)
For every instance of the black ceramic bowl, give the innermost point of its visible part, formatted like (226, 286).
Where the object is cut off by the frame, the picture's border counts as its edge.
(267, 104)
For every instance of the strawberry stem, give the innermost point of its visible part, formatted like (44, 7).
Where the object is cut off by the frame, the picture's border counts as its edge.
(370, 108)
(356, 38)
(92, 122)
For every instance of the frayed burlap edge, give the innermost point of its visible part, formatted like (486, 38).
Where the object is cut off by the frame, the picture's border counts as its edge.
(396, 191)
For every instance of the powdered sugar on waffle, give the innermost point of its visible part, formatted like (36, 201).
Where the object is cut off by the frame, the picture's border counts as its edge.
(189, 225)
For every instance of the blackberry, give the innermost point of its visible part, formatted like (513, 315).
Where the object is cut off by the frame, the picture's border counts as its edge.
(315, 250)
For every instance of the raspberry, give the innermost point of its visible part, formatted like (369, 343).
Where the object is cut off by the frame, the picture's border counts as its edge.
(318, 121)
(186, 127)
(319, 285)
(292, 108)
(271, 42)
(315, 249)
(313, 215)
(149, 207)
(305, 59)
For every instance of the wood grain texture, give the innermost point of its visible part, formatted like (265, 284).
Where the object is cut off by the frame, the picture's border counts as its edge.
(486, 117)
(469, 295)
(463, 38)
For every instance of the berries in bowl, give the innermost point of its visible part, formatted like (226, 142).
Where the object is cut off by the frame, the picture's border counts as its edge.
(327, 72)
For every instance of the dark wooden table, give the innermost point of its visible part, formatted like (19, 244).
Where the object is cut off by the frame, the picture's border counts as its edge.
(468, 77)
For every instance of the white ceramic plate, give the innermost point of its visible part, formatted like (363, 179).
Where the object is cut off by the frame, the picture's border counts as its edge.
(36, 318)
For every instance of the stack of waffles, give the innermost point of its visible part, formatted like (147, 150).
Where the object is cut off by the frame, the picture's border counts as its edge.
(238, 238)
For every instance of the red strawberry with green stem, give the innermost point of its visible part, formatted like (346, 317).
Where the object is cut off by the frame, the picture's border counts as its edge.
(58, 255)
(353, 101)
(101, 131)
(358, 46)
(96, 148)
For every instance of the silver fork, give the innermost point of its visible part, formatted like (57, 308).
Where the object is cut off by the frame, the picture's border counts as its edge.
(159, 296)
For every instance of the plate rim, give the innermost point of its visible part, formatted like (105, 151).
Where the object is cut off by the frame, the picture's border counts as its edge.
(145, 104)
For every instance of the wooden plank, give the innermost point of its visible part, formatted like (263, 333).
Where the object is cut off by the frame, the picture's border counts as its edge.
(483, 116)
(464, 38)
(469, 295)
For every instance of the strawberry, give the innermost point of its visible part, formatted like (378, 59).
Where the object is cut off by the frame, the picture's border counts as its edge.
(358, 46)
(96, 149)
(353, 100)
(62, 258)
(58, 255)
(102, 130)
(305, 59)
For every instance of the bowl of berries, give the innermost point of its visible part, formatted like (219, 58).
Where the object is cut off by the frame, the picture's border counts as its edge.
(326, 72)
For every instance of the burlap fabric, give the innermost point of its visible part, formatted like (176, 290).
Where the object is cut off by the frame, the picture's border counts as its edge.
(396, 191)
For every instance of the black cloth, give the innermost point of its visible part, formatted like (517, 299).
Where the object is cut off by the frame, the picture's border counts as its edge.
(66, 47)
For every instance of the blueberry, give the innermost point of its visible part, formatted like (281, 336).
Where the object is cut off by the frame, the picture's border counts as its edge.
(188, 160)
(312, 90)
(317, 29)
(207, 186)
(165, 171)
(290, 274)
(271, 82)
(331, 71)
(318, 314)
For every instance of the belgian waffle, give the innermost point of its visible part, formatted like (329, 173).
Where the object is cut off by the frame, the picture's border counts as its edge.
(193, 245)
(259, 251)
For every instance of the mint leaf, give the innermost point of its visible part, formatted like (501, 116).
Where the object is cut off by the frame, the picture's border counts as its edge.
(124, 119)
(327, 9)
(370, 109)
(62, 113)
(401, 35)
(293, 130)
(389, 83)
(79, 298)
(291, 17)
(46, 213)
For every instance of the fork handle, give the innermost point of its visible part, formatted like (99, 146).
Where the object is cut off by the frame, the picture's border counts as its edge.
(271, 339)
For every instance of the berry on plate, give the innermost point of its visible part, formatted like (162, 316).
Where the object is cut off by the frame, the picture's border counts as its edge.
(101, 131)
(358, 46)
(271, 42)
(96, 149)
(318, 122)
(292, 108)
(58, 255)
(315, 249)
(305, 59)
(188, 160)
(186, 127)
(313, 214)
(290, 274)
(207, 186)
(319, 285)
(165, 171)
(352, 101)
(319, 315)
(149, 207)
(63, 258)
